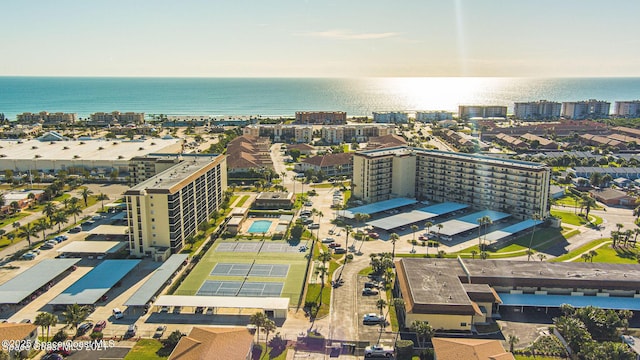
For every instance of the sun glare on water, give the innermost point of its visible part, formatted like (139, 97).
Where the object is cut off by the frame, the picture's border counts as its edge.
(444, 93)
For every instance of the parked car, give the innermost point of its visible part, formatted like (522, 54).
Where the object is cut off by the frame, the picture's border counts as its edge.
(369, 291)
(372, 319)
(177, 309)
(100, 325)
(308, 203)
(370, 285)
(164, 309)
(314, 226)
(335, 245)
(374, 235)
(131, 331)
(46, 247)
(53, 356)
(199, 310)
(159, 331)
(75, 229)
(328, 240)
(339, 250)
(117, 313)
(379, 351)
(28, 256)
(84, 327)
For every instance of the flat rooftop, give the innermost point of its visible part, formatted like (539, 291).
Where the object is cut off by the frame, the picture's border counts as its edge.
(24, 284)
(110, 229)
(605, 302)
(86, 149)
(237, 302)
(406, 150)
(93, 247)
(90, 288)
(157, 280)
(444, 208)
(512, 229)
(175, 174)
(454, 227)
(377, 207)
(398, 220)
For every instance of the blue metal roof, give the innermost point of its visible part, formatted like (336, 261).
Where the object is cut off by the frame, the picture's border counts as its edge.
(444, 208)
(615, 303)
(159, 277)
(512, 229)
(89, 288)
(494, 215)
(378, 207)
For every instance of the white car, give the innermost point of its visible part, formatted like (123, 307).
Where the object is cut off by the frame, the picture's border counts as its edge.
(328, 240)
(117, 313)
(372, 318)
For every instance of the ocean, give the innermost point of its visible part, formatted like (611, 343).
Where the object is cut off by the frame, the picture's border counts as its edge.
(285, 96)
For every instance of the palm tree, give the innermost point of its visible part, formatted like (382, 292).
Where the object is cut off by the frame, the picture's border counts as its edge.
(49, 209)
(585, 257)
(102, 197)
(393, 238)
(439, 226)
(85, 195)
(268, 327)
(423, 331)
(592, 254)
(587, 202)
(542, 256)
(381, 304)
(347, 229)
(27, 231)
(513, 340)
(484, 255)
(258, 319)
(75, 210)
(535, 219)
(473, 254)
(320, 216)
(75, 314)
(42, 225)
(325, 256)
(414, 228)
(46, 320)
(60, 218)
(428, 225)
(322, 271)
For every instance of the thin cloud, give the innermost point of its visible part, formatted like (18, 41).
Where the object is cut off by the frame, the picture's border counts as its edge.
(348, 35)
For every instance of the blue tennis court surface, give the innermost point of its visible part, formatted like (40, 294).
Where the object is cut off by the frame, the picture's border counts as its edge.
(261, 270)
(237, 288)
(89, 288)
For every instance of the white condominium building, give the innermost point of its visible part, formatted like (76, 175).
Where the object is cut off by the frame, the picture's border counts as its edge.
(482, 111)
(591, 108)
(167, 208)
(627, 108)
(517, 187)
(391, 117)
(537, 110)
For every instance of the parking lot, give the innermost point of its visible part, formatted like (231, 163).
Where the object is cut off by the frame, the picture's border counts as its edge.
(368, 304)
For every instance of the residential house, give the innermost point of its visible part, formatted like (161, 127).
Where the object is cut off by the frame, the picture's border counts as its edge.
(19, 334)
(329, 164)
(613, 197)
(469, 349)
(202, 343)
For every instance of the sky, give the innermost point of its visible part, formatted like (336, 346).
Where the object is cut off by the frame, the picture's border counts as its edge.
(298, 38)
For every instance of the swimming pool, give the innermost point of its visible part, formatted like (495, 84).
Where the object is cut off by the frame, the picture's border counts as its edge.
(260, 226)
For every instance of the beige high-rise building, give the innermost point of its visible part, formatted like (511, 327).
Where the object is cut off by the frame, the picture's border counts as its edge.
(517, 187)
(167, 208)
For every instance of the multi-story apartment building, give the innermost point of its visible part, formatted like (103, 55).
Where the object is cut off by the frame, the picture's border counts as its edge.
(116, 117)
(355, 132)
(167, 208)
(281, 133)
(142, 168)
(590, 109)
(517, 187)
(321, 117)
(47, 119)
(537, 110)
(426, 116)
(627, 108)
(391, 117)
(482, 111)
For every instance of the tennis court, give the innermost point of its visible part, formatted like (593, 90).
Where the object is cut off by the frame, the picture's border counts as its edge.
(237, 288)
(261, 270)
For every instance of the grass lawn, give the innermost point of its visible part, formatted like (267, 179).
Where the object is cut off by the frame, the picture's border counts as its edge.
(147, 349)
(607, 254)
(242, 200)
(580, 250)
(573, 201)
(574, 219)
(542, 239)
(268, 353)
